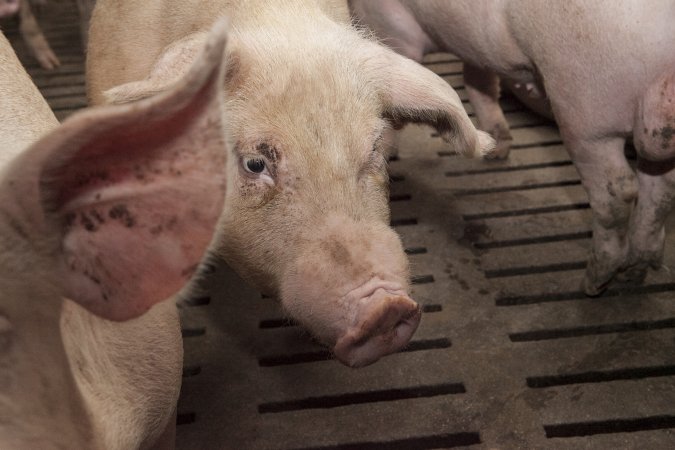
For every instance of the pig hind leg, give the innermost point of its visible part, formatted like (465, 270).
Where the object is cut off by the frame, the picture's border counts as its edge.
(647, 231)
(482, 88)
(655, 142)
(611, 186)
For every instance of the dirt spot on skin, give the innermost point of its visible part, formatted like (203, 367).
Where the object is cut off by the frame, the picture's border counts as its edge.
(121, 213)
(269, 152)
(86, 179)
(338, 252)
(90, 220)
(88, 223)
(667, 134)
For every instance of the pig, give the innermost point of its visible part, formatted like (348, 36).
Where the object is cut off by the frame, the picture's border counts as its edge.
(8, 8)
(101, 218)
(34, 38)
(32, 33)
(608, 70)
(306, 217)
(85, 8)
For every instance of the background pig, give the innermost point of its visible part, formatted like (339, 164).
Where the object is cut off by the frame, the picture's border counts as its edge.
(308, 216)
(8, 8)
(34, 38)
(608, 70)
(32, 33)
(85, 8)
(109, 213)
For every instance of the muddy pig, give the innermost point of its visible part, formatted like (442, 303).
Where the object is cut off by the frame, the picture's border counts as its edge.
(308, 100)
(608, 69)
(100, 219)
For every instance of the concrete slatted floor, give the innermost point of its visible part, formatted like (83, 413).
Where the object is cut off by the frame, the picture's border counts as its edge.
(510, 353)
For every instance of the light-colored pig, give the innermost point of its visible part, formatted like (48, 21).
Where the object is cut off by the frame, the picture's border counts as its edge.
(608, 69)
(8, 8)
(108, 214)
(34, 38)
(308, 100)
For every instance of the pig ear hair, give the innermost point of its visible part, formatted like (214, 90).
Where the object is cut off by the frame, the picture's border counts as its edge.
(413, 93)
(135, 191)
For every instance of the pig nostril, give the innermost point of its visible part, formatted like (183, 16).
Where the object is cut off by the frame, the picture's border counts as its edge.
(402, 324)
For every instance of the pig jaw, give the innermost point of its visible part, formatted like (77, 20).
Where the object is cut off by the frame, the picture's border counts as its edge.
(363, 323)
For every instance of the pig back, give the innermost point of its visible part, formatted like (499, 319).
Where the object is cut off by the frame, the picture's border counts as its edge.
(127, 37)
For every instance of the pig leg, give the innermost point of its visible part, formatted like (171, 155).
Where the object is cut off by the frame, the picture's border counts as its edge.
(647, 232)
(85, 7)
(35, 40)
(482, 88)
(612, 189)
(655, 142)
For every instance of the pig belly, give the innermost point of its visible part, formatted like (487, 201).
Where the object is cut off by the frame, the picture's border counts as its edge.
(129, 373)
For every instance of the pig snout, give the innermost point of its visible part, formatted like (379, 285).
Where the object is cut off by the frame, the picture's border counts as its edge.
(349, 286)
(384, 324)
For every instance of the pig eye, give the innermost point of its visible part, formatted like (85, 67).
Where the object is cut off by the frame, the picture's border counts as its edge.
(255, 165)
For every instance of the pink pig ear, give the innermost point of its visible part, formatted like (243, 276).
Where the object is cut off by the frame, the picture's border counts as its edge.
(413, 93)
(136, 190)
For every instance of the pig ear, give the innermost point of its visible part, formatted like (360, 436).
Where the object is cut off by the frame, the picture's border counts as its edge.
(175, 61)
(413, 93)
(135, 190)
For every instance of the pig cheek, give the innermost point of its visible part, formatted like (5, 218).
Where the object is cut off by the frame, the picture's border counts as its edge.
(254, 243)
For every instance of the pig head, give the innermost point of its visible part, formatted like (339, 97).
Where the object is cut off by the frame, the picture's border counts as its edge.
(100, 219)
(306, 215)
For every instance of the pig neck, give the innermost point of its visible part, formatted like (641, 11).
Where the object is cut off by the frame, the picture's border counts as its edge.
(40, 404)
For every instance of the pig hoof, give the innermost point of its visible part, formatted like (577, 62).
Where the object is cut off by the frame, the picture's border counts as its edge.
(48, 60)
(383, 327)
(503, 138)
(501, 151)
(633, 276)
(593, 289)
